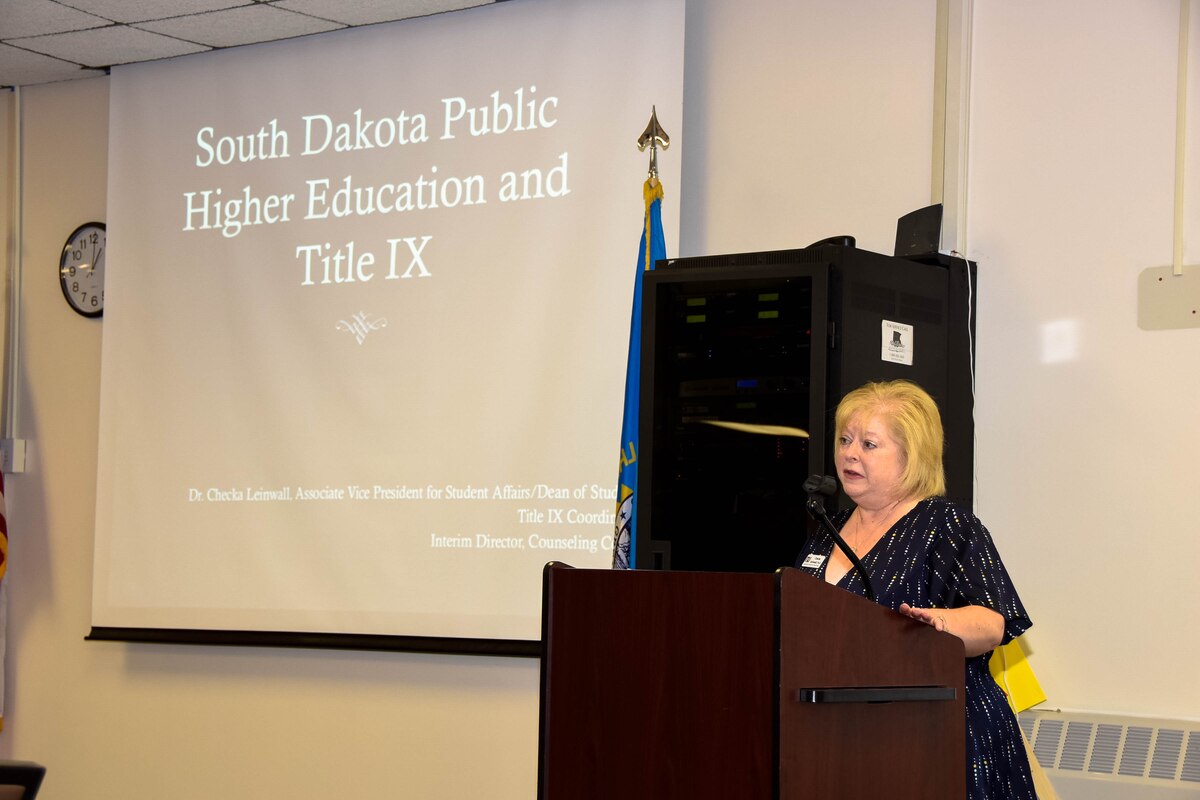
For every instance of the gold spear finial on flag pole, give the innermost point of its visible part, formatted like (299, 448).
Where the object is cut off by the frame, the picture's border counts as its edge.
(653, 137)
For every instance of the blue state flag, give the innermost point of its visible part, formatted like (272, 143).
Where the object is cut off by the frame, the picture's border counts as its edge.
(652, 248)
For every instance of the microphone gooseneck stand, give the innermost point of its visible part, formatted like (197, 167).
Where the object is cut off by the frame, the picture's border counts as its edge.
(815, 487)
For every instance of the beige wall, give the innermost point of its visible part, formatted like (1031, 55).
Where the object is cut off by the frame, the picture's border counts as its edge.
(805, 120)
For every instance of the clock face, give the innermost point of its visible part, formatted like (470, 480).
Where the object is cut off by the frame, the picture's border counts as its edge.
(81, 269)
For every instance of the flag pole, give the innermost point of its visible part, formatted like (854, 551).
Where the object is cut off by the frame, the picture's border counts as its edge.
(653, 137)
(651, 248)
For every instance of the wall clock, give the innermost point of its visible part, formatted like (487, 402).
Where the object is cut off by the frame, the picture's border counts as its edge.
(81, 269)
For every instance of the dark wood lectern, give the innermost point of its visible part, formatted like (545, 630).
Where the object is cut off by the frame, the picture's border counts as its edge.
(741, 685)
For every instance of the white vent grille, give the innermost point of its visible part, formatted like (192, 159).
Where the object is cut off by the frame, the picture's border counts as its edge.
(1075, 747)
(1105, 747)
(1191, 759)
(1165, 761)
(1137, 747)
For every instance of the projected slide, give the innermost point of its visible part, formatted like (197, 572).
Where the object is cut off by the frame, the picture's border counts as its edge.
(366, 321)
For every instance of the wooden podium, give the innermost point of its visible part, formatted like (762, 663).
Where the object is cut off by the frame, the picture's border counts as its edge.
(741, 685)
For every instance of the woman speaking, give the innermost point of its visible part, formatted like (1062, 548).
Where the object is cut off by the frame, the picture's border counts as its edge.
(929, 559)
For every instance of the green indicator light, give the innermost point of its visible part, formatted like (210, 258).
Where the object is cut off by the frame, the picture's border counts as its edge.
(697, 318)
(768, 315)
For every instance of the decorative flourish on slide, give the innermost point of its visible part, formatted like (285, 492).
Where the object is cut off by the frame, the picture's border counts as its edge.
(361, 324)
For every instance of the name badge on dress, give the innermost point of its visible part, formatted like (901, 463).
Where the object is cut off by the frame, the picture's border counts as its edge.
(813, 561)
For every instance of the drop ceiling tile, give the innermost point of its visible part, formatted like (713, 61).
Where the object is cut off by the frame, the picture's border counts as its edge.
(36, 17)
(94, 32)
(238, 26)
(104, 47)
(369, 12)
(19, 67)
(144, 10)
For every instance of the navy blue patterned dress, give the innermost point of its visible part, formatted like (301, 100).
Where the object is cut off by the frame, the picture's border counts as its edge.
(941, 556)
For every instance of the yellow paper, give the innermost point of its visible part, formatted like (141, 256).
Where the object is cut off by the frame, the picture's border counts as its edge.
(1011, 669)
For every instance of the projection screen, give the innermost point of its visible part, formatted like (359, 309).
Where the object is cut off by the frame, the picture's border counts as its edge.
(366, 322)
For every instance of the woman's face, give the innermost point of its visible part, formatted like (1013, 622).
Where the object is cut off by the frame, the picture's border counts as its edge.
(870, 462)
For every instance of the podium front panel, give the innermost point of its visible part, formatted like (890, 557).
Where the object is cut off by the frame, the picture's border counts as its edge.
(657, 685)
(908, 748)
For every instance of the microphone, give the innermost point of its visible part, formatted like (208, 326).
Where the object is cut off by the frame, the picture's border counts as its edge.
(816, 487)
(820, 484)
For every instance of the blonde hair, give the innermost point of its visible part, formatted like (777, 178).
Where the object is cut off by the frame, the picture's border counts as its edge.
(914, 422)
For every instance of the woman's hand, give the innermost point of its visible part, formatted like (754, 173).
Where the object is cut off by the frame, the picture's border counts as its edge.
(930, 616)
(981, 629)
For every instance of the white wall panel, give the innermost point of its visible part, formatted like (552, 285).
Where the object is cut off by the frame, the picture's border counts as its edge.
(1085, 422)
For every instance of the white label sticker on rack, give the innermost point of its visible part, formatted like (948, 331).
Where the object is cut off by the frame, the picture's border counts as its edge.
(897, 343)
